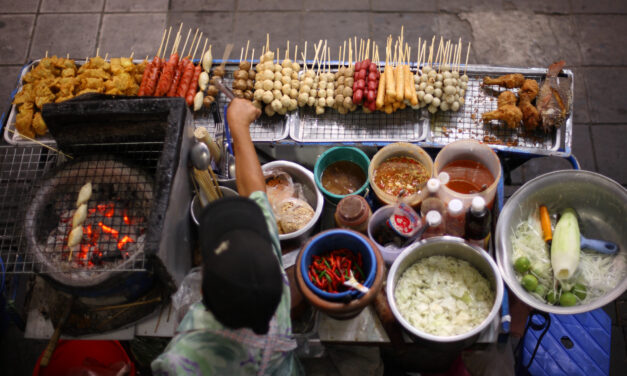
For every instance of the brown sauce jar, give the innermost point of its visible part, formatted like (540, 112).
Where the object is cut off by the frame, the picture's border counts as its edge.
(353, 212)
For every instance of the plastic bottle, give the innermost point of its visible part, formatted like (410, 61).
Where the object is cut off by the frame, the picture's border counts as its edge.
(455, 218)
(432, 201)
(435, 225)
(478, 223)
(353, 212)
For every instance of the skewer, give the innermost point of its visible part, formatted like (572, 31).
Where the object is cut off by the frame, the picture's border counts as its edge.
(287, 51)
(40, 143)
(350, 54)
(47, 54)
(246, 54)
(186, 39)
(368, 48)
(344, 52)
(227, 52)
(241, 53)
(191, 46)
(252, 56)
(97, 51)
(161, 45)
(196, 48)
(166, 42)
(267, 41)
(277, 55)
(305, 56)
(467, 54)
(295, 53)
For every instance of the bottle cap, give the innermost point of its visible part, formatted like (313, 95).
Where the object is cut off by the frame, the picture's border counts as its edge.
(455, 206)
(444, 177)
(478, 204)
(433, 185)
(434, 218)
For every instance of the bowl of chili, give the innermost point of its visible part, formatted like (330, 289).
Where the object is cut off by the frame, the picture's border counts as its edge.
(338, 245)
(400, 169)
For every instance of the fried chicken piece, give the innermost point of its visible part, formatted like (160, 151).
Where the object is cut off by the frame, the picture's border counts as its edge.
(39, 125)
(509, 113)
(509, 81)
(25, 95)
(505, 98)
(24, 120)
(529, 90)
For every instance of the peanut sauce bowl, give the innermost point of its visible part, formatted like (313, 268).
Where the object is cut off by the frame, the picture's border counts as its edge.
(339, 154)
(401, 149)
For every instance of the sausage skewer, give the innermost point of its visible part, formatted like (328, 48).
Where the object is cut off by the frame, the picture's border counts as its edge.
(143, 88)
(188, 74)
(178, 72)
(191, 92)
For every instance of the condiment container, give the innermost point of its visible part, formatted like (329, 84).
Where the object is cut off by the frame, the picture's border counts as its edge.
(380, 233)
(478, 223)
(400, 149)
(353, 212)
(435, 225)
(455, 218)
(474, 151)
(432, 201)
(336, 154)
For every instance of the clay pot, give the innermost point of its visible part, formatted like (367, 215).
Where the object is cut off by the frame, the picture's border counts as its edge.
(337, 309)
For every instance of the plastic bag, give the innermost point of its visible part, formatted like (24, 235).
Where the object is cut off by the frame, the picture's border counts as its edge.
(292, 214)
(279, 186)
(188, 293)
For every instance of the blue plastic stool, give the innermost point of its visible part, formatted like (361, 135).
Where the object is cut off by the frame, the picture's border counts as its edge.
(574, 345)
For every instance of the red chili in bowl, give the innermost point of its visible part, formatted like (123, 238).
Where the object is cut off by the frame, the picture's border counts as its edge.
(330, 270)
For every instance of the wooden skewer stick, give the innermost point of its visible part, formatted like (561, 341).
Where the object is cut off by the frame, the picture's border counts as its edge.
(252, 57)
(161, 45)
(166, 42)
(267, 41)
(467, 54)
(197, 44)
(189, 31)
(246, 54)
(305, 56)
(296, 53)
(350, 53)
(227, 53)
(40, 143)
(287, 51)
(241, 53)
(191, 46)
(344, 52)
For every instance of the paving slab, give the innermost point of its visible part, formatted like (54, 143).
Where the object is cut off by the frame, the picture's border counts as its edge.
(198, 5)
(136, 6)
(513, 38)
(540, 6)
(282, 26)
(62, 34)
(142, 34)
(456, 6)
(8, 82)
(416, 25)
(582, 147)
(606, 94)
(217, 26)
(567, 45)
(404, 5)
(542, 165)
(22, 6)
(336, 27)
(70, 6)
(610, 151)
(598, 6)
(322, 5)
(15, 33)
(580, 101)
(451, 27)
(270, 5)
(602, 39)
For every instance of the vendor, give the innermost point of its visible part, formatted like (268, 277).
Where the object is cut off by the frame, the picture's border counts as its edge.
(242, 326)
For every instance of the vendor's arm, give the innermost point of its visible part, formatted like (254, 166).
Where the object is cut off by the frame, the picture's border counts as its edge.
(240, 114)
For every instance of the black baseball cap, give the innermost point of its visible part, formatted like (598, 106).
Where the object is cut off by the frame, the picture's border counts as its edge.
(242, 282)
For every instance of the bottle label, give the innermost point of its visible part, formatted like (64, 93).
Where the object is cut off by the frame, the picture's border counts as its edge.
(404, 221)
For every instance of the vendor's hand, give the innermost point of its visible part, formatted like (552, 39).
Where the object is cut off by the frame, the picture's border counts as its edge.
(241, 113)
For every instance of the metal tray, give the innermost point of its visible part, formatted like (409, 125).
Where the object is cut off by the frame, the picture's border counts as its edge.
(264, 129)
(446, 127)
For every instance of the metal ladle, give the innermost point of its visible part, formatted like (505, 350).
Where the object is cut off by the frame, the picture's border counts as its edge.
(201, 158)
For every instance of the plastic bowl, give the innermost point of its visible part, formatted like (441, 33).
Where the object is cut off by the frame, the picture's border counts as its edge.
(453, 247)
(312, 195)
(601, 206)
(474, 151)
(338, 239)
(336, 154)
(399, 149)
(389, 252)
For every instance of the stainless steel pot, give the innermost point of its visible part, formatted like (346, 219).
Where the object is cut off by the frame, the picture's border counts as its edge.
(601, 205)
(454, 247)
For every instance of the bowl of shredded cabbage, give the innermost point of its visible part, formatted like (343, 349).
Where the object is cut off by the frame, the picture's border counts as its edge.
(531, 265)
(444, 292)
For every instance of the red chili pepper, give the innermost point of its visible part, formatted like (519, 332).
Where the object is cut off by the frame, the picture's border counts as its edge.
(329, 271)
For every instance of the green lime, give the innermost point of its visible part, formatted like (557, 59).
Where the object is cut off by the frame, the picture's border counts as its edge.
(551, 297)
(522, 264)
(580, 291)
(541, 290)
(568, 299)
(529, 282)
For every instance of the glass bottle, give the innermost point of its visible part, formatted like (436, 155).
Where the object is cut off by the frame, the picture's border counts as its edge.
(478, 223)
(455, 218)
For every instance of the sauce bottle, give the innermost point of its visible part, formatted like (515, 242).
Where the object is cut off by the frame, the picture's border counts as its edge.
(432, 201)
(353, 212)
(455, 218)
(435, 225)
(478, 222)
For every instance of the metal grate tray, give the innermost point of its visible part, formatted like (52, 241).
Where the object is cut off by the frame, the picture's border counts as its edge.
(447, 127)
(21, 171)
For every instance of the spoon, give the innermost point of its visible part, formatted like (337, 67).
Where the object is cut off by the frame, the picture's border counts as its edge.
(201, 158)
(600, 246)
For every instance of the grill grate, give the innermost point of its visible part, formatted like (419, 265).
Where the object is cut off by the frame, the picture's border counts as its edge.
(22, 170)
(447, 127)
